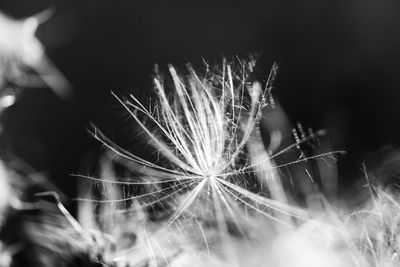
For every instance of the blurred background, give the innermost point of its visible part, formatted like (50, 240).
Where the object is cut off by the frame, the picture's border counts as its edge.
(339, 69)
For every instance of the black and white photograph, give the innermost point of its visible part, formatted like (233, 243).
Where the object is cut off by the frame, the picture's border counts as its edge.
(197, 133)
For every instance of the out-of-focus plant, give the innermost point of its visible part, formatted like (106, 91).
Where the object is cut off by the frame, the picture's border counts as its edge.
(23, 61)
(34, 231)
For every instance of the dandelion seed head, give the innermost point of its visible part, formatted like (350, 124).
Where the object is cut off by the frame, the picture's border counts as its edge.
(212, 185)
(202, 126)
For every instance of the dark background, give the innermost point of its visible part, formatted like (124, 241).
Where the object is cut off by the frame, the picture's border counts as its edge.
(339, 69)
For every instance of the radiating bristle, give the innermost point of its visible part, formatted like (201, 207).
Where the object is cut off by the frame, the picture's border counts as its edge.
(209, 133)
(214, 179)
